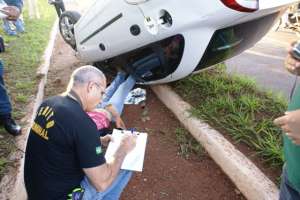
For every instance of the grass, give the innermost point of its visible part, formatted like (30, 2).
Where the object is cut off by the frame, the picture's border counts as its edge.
(234, 105)
(24, 55)
(22, 58)
(188, 145)
(7, 146)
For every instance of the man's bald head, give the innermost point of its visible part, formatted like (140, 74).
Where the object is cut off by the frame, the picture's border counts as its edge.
(89, 84)
(85, 74)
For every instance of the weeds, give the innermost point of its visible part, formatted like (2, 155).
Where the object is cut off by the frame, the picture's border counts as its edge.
(22, 57)
(187, 143)
(235, 105)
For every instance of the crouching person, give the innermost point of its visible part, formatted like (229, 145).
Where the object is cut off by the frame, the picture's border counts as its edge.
(64, 157)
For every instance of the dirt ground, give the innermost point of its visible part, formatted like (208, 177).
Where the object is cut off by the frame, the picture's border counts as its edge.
(166, 174)
(272, 172)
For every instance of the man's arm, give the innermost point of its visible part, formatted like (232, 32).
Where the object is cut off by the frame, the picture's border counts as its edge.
(290, 121)
(106, 139)
(290, 124)
(116, 116)
(103, 176)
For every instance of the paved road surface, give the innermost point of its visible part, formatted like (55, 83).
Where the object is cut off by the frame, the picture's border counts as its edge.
(265, 62)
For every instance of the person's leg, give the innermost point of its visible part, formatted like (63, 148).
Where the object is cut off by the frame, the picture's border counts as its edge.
(62, 5)
(286, 191)
(115, 190)
(111, 193)
(144, 66)
(5, 109)
(141, 68)
(5, 105)
(142, 61)
(19, 25)
(90, 193)
(59, 7)
(121, 93)
(7, 28)
(5, 24)
(110, 90)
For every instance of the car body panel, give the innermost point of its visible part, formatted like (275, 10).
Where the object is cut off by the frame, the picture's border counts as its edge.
(109, 22)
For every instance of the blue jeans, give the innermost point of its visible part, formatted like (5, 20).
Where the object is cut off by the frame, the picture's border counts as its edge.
(117, 92)
(5, 105)
(142, 68)
(19, 25)
(111, 193)
(7, 26)
(287, 192)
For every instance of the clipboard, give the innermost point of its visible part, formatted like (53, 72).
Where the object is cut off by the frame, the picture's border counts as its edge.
(133, 161)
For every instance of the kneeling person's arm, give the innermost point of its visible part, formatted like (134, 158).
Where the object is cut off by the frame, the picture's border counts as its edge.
(103, 176)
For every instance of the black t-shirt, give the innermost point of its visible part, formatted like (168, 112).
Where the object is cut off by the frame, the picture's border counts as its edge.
(62, 141)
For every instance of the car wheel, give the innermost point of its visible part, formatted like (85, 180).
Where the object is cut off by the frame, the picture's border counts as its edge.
(67, 20)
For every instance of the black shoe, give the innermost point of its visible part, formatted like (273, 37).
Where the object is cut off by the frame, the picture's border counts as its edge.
(11, 127)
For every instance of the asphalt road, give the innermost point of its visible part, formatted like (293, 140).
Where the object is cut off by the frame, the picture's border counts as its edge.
(265, 62)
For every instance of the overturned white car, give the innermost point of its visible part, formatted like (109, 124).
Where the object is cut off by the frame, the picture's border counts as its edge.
(165, 40)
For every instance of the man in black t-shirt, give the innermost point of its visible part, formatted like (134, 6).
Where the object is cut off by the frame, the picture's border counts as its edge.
(64, 154)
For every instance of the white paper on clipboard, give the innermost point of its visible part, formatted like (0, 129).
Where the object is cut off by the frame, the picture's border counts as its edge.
(134, 161)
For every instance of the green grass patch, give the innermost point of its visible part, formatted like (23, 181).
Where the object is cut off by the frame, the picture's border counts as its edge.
(24, 55)
(22, 58)
(235, 106)
(188, 145)
(21, 98)
(7, 146)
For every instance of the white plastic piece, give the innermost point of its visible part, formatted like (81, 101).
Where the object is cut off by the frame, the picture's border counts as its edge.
(251, 4)
(151, 25)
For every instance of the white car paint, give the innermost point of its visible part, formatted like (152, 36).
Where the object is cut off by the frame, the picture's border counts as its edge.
(196, 20)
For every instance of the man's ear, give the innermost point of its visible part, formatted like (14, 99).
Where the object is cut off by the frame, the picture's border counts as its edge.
(89, 87)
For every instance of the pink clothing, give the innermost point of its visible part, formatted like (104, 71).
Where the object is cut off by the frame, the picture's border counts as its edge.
(100, 118)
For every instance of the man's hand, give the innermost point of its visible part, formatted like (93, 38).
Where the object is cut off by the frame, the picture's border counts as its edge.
(12, 12)
(116, 116)
(104, 175)
(128, 142)
(120, 123)
(291, 64)
(105, 140)
(290, 124)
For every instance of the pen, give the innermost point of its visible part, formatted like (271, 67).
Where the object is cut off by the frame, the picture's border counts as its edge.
(132, 130)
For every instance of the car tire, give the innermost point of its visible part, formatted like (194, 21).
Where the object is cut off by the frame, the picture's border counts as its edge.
(67, 20)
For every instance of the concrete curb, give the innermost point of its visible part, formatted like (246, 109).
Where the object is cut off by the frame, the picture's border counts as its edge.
(33, 9)
(244, 174)
(17, 190)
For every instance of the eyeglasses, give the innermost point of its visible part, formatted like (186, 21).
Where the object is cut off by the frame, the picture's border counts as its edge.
(101, 88)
